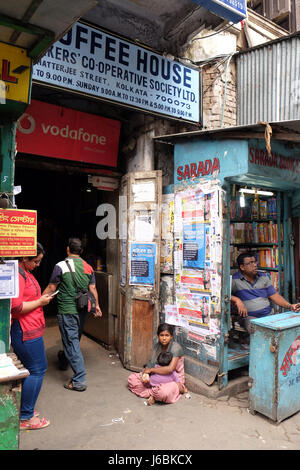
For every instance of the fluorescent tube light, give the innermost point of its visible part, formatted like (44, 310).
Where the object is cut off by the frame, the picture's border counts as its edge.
(253, 191)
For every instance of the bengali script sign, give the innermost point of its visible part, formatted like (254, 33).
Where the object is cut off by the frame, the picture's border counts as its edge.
(18, 232)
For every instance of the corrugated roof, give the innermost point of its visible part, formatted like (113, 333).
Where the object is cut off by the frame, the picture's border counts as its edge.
(283, 130)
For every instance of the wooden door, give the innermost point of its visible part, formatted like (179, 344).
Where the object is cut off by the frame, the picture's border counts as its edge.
(139, 254)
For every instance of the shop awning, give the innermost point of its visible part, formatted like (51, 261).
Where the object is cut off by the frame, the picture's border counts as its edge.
(282, 130)
(36, 24)
(283, 134)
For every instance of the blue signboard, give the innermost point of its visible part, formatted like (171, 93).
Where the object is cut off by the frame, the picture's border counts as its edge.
(245, 161)
(231, 10)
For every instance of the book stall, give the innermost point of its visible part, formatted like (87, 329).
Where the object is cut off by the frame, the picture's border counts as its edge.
(230, 196)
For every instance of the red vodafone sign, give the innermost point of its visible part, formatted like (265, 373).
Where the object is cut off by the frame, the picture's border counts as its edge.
(55, 131)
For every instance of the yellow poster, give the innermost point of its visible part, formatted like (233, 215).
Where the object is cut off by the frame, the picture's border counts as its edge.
(18, 232)
(15, 74)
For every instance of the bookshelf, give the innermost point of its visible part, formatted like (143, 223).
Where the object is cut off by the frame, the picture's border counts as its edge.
(257, 227)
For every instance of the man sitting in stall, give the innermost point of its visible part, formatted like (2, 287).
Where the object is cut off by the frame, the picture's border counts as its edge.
(252, 293)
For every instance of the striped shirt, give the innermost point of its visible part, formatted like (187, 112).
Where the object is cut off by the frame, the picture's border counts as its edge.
(255, 296)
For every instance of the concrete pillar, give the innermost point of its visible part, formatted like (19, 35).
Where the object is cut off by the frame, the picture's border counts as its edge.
(143, 158)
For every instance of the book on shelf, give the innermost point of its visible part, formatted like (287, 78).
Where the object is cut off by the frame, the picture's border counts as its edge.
(255, 208)
(254, 232)
(265, 257)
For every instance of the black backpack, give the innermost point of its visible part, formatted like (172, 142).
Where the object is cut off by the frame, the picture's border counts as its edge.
(85, 299)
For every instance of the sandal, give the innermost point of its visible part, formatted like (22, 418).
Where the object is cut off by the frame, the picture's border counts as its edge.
(42, 423)
(78, 388)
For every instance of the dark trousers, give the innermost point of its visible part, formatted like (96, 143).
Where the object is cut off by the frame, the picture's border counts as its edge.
(71, 326)
(245, 323)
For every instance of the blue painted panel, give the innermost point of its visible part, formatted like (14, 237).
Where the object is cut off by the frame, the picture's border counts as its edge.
(168, 189)
(296, 204)
(243, 161)
(274, 366)
(262, 371)
(283, 164)
(232, 10)
(196, 159)
(288, 373)
(281, 321)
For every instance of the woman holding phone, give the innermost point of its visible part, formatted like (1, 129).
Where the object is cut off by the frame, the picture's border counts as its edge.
(27, 329)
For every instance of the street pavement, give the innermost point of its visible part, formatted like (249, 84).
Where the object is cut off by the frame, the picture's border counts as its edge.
(108, 417)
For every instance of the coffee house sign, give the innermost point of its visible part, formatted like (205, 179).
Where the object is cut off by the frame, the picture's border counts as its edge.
(90, 61)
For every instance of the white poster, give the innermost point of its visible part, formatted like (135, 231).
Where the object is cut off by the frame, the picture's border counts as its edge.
(9, 280)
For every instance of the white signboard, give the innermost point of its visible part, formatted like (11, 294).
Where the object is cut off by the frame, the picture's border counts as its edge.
(9, 280)
(90, 61)
(104, 182)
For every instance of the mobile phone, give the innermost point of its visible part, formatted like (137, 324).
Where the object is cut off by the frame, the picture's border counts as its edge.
(54, 293)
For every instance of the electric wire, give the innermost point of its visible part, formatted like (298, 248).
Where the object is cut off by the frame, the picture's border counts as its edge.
(213, 34)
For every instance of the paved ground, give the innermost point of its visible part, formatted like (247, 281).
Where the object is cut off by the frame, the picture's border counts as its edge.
(109, 417)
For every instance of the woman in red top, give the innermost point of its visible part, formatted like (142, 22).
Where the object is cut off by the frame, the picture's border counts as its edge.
(28, 326)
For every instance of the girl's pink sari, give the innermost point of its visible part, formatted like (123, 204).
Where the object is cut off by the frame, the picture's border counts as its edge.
(167, 393)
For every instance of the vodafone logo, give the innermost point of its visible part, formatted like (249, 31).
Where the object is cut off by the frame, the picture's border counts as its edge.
(48, 130)
(26, 124)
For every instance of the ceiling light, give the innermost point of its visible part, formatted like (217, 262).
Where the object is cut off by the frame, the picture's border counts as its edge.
(254, 191)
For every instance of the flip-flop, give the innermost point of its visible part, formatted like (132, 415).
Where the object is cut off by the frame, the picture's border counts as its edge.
(43, 423)
(78, 388)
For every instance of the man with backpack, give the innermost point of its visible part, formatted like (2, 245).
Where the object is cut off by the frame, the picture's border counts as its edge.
(76, 297)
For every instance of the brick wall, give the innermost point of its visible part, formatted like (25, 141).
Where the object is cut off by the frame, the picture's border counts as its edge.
(214, 82)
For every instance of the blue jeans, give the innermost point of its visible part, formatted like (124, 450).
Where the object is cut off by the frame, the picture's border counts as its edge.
(71, 326)
(33, 356)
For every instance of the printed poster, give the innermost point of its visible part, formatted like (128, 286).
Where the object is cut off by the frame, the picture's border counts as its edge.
(18, 232)
(172, 316)
(9, 279)
(194, 306)
(142, 264)
(197, 252)
(194, 245)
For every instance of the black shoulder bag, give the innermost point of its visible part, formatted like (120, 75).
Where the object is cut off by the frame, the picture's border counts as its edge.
(85, 299)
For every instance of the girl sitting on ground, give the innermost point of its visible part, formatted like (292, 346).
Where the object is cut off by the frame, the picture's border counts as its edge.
(168, 392)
